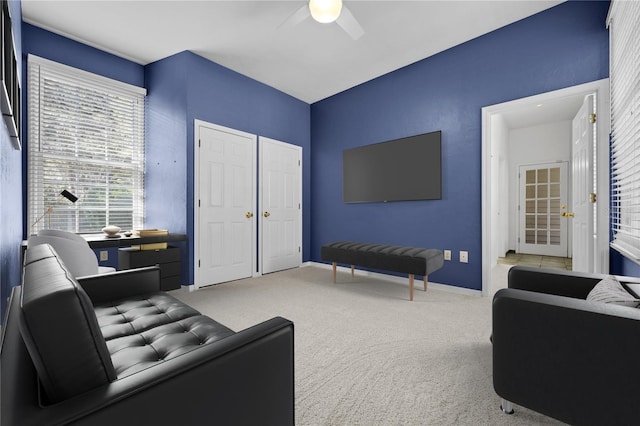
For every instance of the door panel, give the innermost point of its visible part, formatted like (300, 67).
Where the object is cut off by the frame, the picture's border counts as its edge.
(582, 214)
(225, 203)
(543, 192)
(281, 198)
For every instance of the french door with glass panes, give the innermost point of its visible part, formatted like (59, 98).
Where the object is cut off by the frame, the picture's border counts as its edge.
(543, 199)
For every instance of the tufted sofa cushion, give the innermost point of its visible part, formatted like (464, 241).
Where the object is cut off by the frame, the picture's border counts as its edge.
(139, 313)
(146, 330)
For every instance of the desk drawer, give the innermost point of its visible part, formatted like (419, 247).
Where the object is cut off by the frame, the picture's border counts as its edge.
(129, 258)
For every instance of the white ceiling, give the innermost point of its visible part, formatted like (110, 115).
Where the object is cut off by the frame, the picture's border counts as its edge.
(562, 108)
(309, 61)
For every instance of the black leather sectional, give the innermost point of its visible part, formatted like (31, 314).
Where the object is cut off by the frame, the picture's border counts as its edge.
(114, 349)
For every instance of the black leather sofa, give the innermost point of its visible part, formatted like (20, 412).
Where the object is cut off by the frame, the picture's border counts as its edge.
(561, 355)
(115, 350)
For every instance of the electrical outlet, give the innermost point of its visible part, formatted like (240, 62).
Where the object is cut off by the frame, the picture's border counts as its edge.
(464, 257)
(447, 255)
(104, 255)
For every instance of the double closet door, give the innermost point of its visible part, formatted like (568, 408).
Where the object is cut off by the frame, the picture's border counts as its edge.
(248, 207)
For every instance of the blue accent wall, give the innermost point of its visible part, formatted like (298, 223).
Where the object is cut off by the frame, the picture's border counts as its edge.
(185, 87)
(560, 47)
(621, 265)
(60, 49)
(11, 188)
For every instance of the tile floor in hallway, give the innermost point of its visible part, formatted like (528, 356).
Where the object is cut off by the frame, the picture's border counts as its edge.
(536, 260)
(500, 271)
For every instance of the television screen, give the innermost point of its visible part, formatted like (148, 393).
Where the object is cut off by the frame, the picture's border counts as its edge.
(399, 170)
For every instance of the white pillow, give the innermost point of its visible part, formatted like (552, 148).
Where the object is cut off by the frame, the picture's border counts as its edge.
(609, 290)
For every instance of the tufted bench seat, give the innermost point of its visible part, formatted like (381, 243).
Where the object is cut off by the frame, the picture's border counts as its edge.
(408, 260)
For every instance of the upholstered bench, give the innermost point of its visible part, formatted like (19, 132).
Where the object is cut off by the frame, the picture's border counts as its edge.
(408, 260)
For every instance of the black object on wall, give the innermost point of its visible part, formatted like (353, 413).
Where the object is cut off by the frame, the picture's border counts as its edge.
(10, 88)
(404, 169)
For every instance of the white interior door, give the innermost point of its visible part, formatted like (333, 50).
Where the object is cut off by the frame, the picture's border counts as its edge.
(281, 205)
(543, 192)
(582, 211)
(225, 235)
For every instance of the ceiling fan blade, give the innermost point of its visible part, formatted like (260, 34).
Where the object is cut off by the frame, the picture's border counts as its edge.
(296, 17)
(349, 24)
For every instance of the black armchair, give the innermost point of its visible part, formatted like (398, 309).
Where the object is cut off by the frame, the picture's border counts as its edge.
(563, 356)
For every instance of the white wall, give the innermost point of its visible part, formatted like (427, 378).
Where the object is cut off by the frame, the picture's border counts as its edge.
(545, 143)
(499, 190)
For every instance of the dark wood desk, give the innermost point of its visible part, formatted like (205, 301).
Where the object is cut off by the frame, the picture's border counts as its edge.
(102, 241)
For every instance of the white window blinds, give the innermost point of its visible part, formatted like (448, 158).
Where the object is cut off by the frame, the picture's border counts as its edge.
(86, 136)
(625, 126)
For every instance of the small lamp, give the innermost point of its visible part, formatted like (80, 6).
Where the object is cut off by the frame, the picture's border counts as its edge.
(69, 196)
(66, 194)
(325, 11)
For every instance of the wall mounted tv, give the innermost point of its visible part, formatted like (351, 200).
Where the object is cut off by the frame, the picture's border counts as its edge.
(404, 169)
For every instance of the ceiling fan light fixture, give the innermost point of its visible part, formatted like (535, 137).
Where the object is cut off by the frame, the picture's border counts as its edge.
(325, 11)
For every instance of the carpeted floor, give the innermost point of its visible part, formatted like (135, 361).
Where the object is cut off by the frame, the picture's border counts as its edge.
(365, 355)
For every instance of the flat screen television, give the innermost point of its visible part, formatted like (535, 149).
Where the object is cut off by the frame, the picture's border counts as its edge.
(404, 169)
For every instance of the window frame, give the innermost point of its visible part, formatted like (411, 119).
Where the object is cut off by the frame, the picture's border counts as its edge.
(80, 88)
(624, 69)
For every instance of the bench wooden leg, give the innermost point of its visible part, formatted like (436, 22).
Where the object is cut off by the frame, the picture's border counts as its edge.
(425, 283)
(411, 287)
(334, 264)
(352, 271)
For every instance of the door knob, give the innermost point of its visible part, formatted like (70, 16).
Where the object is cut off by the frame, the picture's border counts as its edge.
(249, 215)
(266, 214)
(565, 214)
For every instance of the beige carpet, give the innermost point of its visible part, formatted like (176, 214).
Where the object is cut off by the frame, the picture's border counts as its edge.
(365, 355)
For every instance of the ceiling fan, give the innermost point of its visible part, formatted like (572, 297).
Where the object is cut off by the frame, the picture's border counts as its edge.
(327, 11)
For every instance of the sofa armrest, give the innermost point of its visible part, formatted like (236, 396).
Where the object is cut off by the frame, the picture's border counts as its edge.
(121, 284)
(553, 281)
(246, 378)
(565, 357)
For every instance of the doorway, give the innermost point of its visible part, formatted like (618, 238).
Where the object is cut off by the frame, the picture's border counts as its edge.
(538, 109)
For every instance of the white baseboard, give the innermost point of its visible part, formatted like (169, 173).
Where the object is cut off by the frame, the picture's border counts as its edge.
(376, 275)
(397, 279)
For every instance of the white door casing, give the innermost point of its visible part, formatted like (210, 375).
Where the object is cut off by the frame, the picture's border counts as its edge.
(490, 182)
(280, 205)
(582, 213)
(543, 193)
(225, 204)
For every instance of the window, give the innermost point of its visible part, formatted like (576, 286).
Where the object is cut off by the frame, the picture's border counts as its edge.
(625, 127)
(86, 136)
